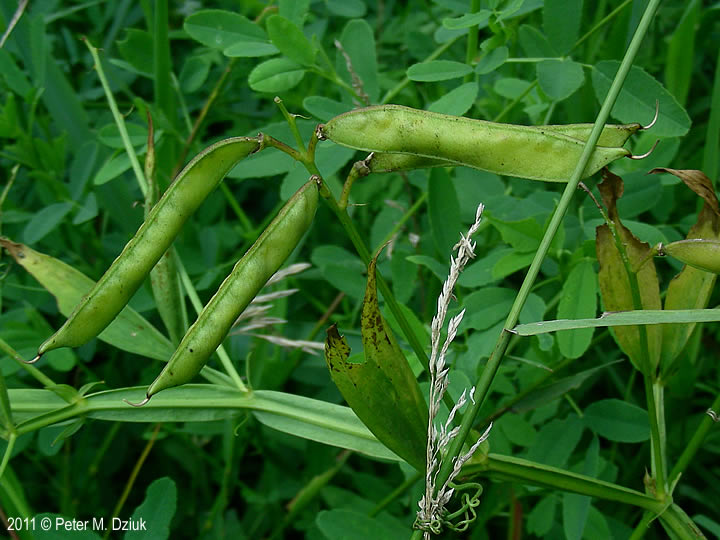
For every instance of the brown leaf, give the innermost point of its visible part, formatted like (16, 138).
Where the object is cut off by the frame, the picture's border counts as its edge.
(615, 284)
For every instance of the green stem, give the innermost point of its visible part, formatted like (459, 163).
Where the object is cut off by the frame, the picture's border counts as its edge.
(32, 370)
(523, 471)
(488, 373)
(8, 452)
(693, 445)
(119, 120)
(472, 41)
(642, 527)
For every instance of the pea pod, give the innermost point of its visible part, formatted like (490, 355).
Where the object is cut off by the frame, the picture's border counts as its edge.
(526, 152)
(115, 288)
(248, 276)
(697, 252)
(612, 135)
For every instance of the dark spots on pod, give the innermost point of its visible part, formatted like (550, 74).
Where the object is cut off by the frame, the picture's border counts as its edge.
(191, 350)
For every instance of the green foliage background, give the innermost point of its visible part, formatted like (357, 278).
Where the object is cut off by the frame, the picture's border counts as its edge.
(206, 75)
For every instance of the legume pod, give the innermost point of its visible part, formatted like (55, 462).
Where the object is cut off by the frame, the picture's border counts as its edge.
(115, 288)
(507, 149)
(612, 135)
(248, 276)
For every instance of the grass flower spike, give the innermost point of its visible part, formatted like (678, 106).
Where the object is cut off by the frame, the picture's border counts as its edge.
(431, 515)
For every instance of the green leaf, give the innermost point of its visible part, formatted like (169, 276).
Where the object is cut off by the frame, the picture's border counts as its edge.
(382, 391)
(134, 49)
(324, 108)
(534, 43)
(680, 59)
(636, 102)
(45, 221)
(556, 441)
(437, 70)
(560, 79)
(436, 267)
(346, 8)
(109, 135)
(14, 77)
(578, 300)
(219, 29)
(561, 22)
(576, 508)
(295, 10)
(618, 421)
(155, 512)
(275, 75)
(443, 211)
(457, 101)
(290, 40)
(358, 42)
(546, 394)
(342, 269)
(623, 318)
(250, 49)
(129, 331)
(194, 73)
(493, 60)
(467, 20)
(348, 524)
(112, 168)
(542, 517)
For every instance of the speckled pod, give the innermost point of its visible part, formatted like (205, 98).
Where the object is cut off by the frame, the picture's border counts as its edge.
(526, 152)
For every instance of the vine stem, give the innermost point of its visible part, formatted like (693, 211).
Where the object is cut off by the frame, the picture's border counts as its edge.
(488, 374)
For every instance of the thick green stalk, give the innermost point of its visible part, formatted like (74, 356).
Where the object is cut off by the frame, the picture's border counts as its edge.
(488, 374)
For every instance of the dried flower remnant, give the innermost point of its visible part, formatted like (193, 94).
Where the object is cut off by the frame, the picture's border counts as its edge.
(430, 517)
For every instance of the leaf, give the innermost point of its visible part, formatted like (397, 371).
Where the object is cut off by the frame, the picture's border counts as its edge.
(493, 60)
(45, 221)
(347, 8)
(680, 58)
(324, 108)
(578, 300)
(577, 507)
(156, 511)
(112, 168)
(561, 22)
(134, 49)
(692, 287)
(641, 345)
(219, 29)
(382, 391)
(250, 49)
(560, 79)
(350, 524)
(443, 211)
(556, 440)
(290, 40)
(129, 331)
(637, 99)
(457, 101)
(623, 318)
(437, 70)
(358, 42)
(275, 75)
(342, 269)
(546, 394)
(467, 20)
(618, 421)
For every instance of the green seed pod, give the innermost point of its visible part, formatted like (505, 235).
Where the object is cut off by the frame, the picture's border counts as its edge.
(697, 252)
(526, 152)
(115, 288)
(613, 135)
(248, 276)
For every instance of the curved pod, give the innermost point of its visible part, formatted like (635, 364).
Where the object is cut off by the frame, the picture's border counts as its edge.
(507, 149)
(115, 288)
(248, 276)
